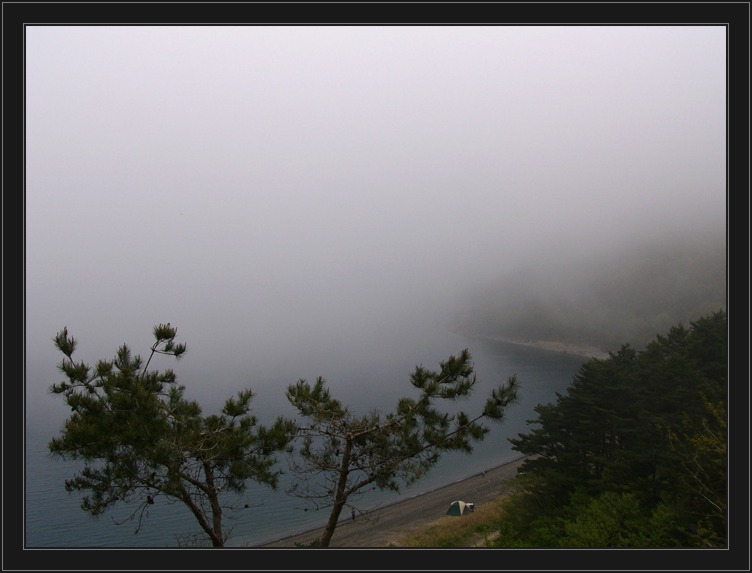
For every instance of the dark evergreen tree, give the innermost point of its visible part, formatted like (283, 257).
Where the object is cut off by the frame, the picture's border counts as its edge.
(139, 438)
(648, 424)
(344, 454)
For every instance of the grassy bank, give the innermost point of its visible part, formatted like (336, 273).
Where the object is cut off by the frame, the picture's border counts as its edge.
(470, 530)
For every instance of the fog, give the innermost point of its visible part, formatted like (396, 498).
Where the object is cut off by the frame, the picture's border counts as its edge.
(304, 201)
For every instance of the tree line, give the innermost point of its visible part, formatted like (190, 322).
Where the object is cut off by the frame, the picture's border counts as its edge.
(627, 295)
(634, 453)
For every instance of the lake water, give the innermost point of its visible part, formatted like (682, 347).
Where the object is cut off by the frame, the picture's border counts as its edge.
(54, 518)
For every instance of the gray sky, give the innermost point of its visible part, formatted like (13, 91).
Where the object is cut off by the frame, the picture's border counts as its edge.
(280, 192)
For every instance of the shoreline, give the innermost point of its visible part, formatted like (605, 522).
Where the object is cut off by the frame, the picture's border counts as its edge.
(383, 526)
(578, 349)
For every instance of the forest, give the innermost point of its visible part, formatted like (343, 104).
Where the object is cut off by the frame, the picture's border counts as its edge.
(621, 295)
(633, 454)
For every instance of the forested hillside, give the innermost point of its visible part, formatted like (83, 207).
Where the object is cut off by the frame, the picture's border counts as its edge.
(628, 295)
(634, 453)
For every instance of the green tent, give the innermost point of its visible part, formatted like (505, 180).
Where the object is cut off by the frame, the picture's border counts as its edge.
(460, 508)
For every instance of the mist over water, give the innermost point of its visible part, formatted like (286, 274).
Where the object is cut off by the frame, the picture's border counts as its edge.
(330, 201)
(286, 193)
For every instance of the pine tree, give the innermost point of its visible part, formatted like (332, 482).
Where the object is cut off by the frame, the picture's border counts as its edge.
(140, 438)
(356, 453)
(647, 423)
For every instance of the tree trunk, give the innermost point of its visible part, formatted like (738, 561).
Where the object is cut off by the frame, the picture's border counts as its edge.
(331, 525)
(340, 499)
(215, 536)
(216, 533)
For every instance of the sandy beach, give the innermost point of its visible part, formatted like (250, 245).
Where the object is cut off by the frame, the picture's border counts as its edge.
(383, 526)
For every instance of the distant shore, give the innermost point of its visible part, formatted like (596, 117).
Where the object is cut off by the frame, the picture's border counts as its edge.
(576, 348)
(382, 527)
